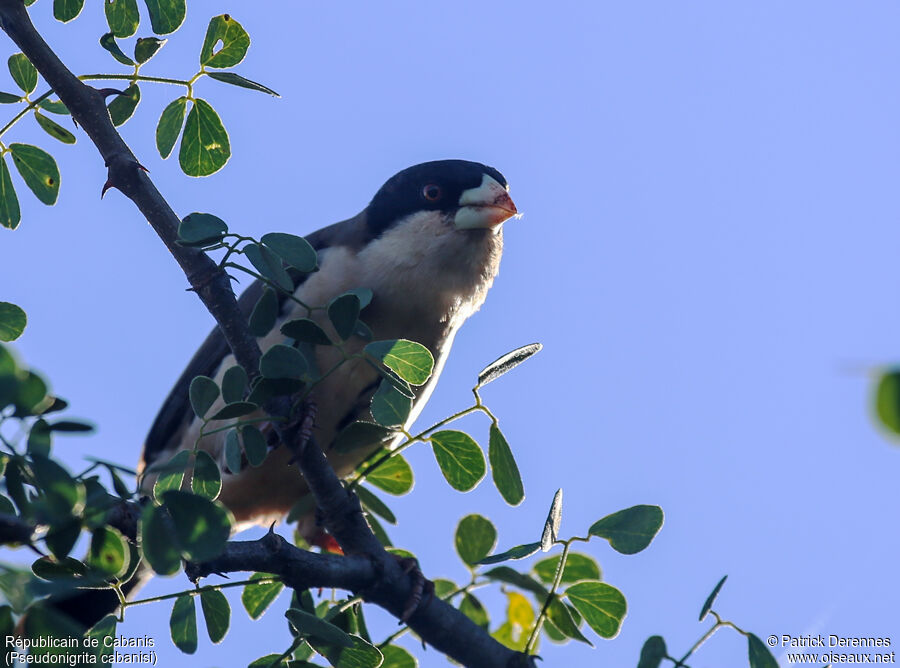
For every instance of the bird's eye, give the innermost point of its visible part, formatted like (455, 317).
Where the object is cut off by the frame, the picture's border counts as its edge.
(431, 192)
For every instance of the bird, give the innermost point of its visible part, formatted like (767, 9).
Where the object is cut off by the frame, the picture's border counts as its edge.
(428, 245)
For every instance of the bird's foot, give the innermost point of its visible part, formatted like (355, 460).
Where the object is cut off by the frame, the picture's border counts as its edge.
(421, 587)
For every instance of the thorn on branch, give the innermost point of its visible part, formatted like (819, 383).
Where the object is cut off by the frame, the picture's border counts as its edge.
(106, 92)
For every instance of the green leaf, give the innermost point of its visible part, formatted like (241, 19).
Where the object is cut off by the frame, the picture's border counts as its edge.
(254, 445)
(653, 652)
(712, 598)
(12, 319)
(204, 146)
(234, 383)
(257, 597)
(202, 526)
(475, 537)
(264, 314)
(578, 567)
(374, 504)
(397, 657)
(234, 410)
(564, 622)
(169, 126)
(311, 626)
(206, 481)
(50, 569)
(759, 654)
(887, 400)
(217, 614)
(108, 42)
(226, 43)
(71, 426)
(233, 458)
(54, 129)
(63, 494)
(507, 362)
(306, 331)
(122, 107)
(165, 15)
(269, 265)
(390, 407)
(517, 552)
(602, 606)
(394, 476)
(379, 531)
(360, 434)
(66, 10)
(122, 17)
(361, 655)
(519, 621)
(158, 540)
(343, 312)
(201, 229)
(183, 624)
(472, 608)
(238, 80)
(100, 632)
(9, 98)
(146, 47)
(412, 361)
(39, 171)
(171, 474)
(504, 470)
(10, 214)
(109, 552)
(281, 361)
(459, 457)
(551, 526)
(61, 538)
(23, 72)
(203, 393)
(517, 579)
(40, 438)
(631, 530)
(53, 106)
(294, 250)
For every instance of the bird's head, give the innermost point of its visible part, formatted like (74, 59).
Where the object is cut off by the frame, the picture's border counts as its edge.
(468, 195)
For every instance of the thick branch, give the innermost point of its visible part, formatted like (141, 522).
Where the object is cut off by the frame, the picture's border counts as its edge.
(125, 173)
(436, 621)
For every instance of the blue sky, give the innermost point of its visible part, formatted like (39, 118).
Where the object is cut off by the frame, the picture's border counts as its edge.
(706, 254)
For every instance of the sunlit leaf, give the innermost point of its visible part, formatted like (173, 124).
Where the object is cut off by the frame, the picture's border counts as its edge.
(12, 321)
(578, 567)
(122, 106)
(459, 458)
(203, 393)
(238, 80)
(475, 537)
(202, 526)
(601, 605)
(507, 362)
(146, 47)
(504, 470)
(216, 613)
(122, 17)
(38, 169)
(204, 145)
(183, 624)
(23, 72)
(10, 214)
(551, 526)
(108, 42)
(54, 129)
(412, 361)
(206, 480)
(258, 596)
(225, 44)
(165, 15)
(66, 10)
(394, 476)
(169, 126)
(631, 530)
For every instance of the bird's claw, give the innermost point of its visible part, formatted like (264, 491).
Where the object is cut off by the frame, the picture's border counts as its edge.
(421, 586)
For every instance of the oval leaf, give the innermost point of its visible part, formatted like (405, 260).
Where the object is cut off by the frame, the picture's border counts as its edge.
(390, 407)
(255, 445)
(459, 457)
(235, 410)
(269, 265)
(158, 541)
(257, 597)
(206, 480)
(109, 552)
(108, 42)
(201, 229)
(281, 361)
(394, 476)
(202, 526)
(578, 567)
(653, 652)
(66, 10)
(631, 530)
(233, 454)
(171, 474)
(504, 469)
(372, 503)
(315, 627)
(23, 72)
(54, 129)
(39, 171)
(122, 107)
(122, 17)
(305, 330)
(343, 312)
(169, 126)
(759, 654)
(602, 606)
(204, 146)
(234, 383)
(203, 393)
(360, 434)
(475, 537)
(217, 614)
(507, 362)
(264, 314)
(226, 43)
(165, 15)
(10, 213)
(12, 321)
(183, 624)
(146, 47)
(294, 250)
(412, 361)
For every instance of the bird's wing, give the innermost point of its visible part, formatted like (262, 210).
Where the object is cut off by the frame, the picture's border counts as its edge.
(176, 412)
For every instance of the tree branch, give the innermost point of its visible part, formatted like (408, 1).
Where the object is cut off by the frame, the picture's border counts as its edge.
(367, 568)
(436, 621)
